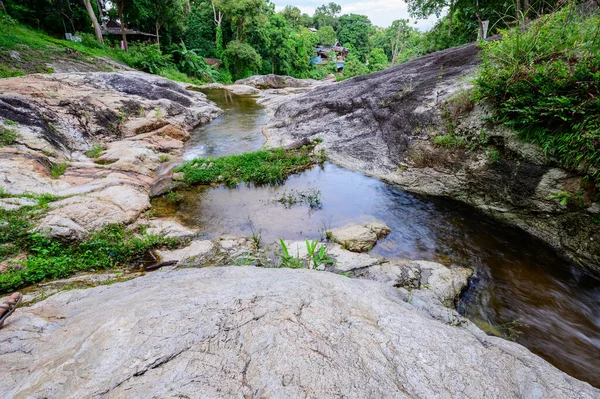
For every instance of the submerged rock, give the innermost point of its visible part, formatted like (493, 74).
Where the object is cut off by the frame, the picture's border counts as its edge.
(245, 331)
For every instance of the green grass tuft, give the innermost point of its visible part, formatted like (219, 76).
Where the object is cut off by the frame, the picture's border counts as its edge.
(261, 167)
(95, 151)
(8, 136)
(58, 169)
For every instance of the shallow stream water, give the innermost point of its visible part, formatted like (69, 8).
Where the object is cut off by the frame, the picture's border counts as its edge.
(521, 287)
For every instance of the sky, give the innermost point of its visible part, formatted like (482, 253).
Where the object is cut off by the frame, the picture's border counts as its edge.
(380, 12)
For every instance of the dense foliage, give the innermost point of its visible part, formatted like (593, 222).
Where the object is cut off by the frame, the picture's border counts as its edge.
(545, 83)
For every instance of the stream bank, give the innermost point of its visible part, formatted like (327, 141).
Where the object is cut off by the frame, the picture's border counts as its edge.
(521, 288)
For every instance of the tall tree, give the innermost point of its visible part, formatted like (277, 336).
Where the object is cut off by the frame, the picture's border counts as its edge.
(327, 15)
(92, 14)
(218, 20)
(355, 32)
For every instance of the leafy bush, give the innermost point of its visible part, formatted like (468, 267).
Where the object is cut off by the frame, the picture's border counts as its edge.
(377, 60)
(224, 76)
(146, 57)
(318, 72)
(544, 83)
(241, 59)
(89, 40)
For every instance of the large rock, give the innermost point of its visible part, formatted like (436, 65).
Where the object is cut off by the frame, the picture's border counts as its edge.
(359, 238)
(275, 82)
(248, 332)
(138, 119)
(383, 124)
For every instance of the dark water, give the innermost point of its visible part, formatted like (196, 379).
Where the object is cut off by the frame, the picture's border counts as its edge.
(518, 278)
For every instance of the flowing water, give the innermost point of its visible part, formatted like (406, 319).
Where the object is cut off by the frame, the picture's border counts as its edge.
(521, 287)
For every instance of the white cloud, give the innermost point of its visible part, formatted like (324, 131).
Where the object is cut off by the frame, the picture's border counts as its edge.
(380, 12)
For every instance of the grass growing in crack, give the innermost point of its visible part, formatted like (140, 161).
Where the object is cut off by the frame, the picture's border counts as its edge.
(261, 167)
(95, 151)
(163, 158)
(58, 169)
(47, 258)
(8, 136)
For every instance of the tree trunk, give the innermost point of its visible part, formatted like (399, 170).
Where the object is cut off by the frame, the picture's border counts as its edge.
(518, 11)
(100, 13)
(90, 10)
(157, 36)
(2, 6)
(450, 12)
(526, 9)
(123, 33)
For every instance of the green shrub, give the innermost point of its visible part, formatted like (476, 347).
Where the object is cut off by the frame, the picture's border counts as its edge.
(224, 76)
(146, 57)
(544, 83)
(318, 72)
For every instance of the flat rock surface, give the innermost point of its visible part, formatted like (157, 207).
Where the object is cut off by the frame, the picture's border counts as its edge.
(245, 331)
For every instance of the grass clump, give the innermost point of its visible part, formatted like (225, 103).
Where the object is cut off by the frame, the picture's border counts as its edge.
(260, 167)
(8, 136)
(163, 158)
(95, 151)
(544, 83)
(8, 72)
(107, 248)
(449, 141)
(58, 169)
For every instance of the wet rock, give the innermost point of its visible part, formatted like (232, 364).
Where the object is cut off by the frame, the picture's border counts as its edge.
(239, 331)
(178, 176)
(238, 89)
(275, 82)
(359, 238)
(345, 261)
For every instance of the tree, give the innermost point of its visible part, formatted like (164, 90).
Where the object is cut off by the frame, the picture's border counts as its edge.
(218, 20)
(92, 14)
(244, 15)
(353, 66)
(242, 58)
(121, 7)
(326, 36)
(168, 14)
(378, 61)
(292, 15)
(278, 50)
(355, 31)
(327, 15)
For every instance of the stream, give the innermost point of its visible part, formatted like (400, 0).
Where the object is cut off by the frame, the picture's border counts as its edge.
(522, 288)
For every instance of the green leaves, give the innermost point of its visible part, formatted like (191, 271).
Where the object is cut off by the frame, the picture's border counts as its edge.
(544, 83)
